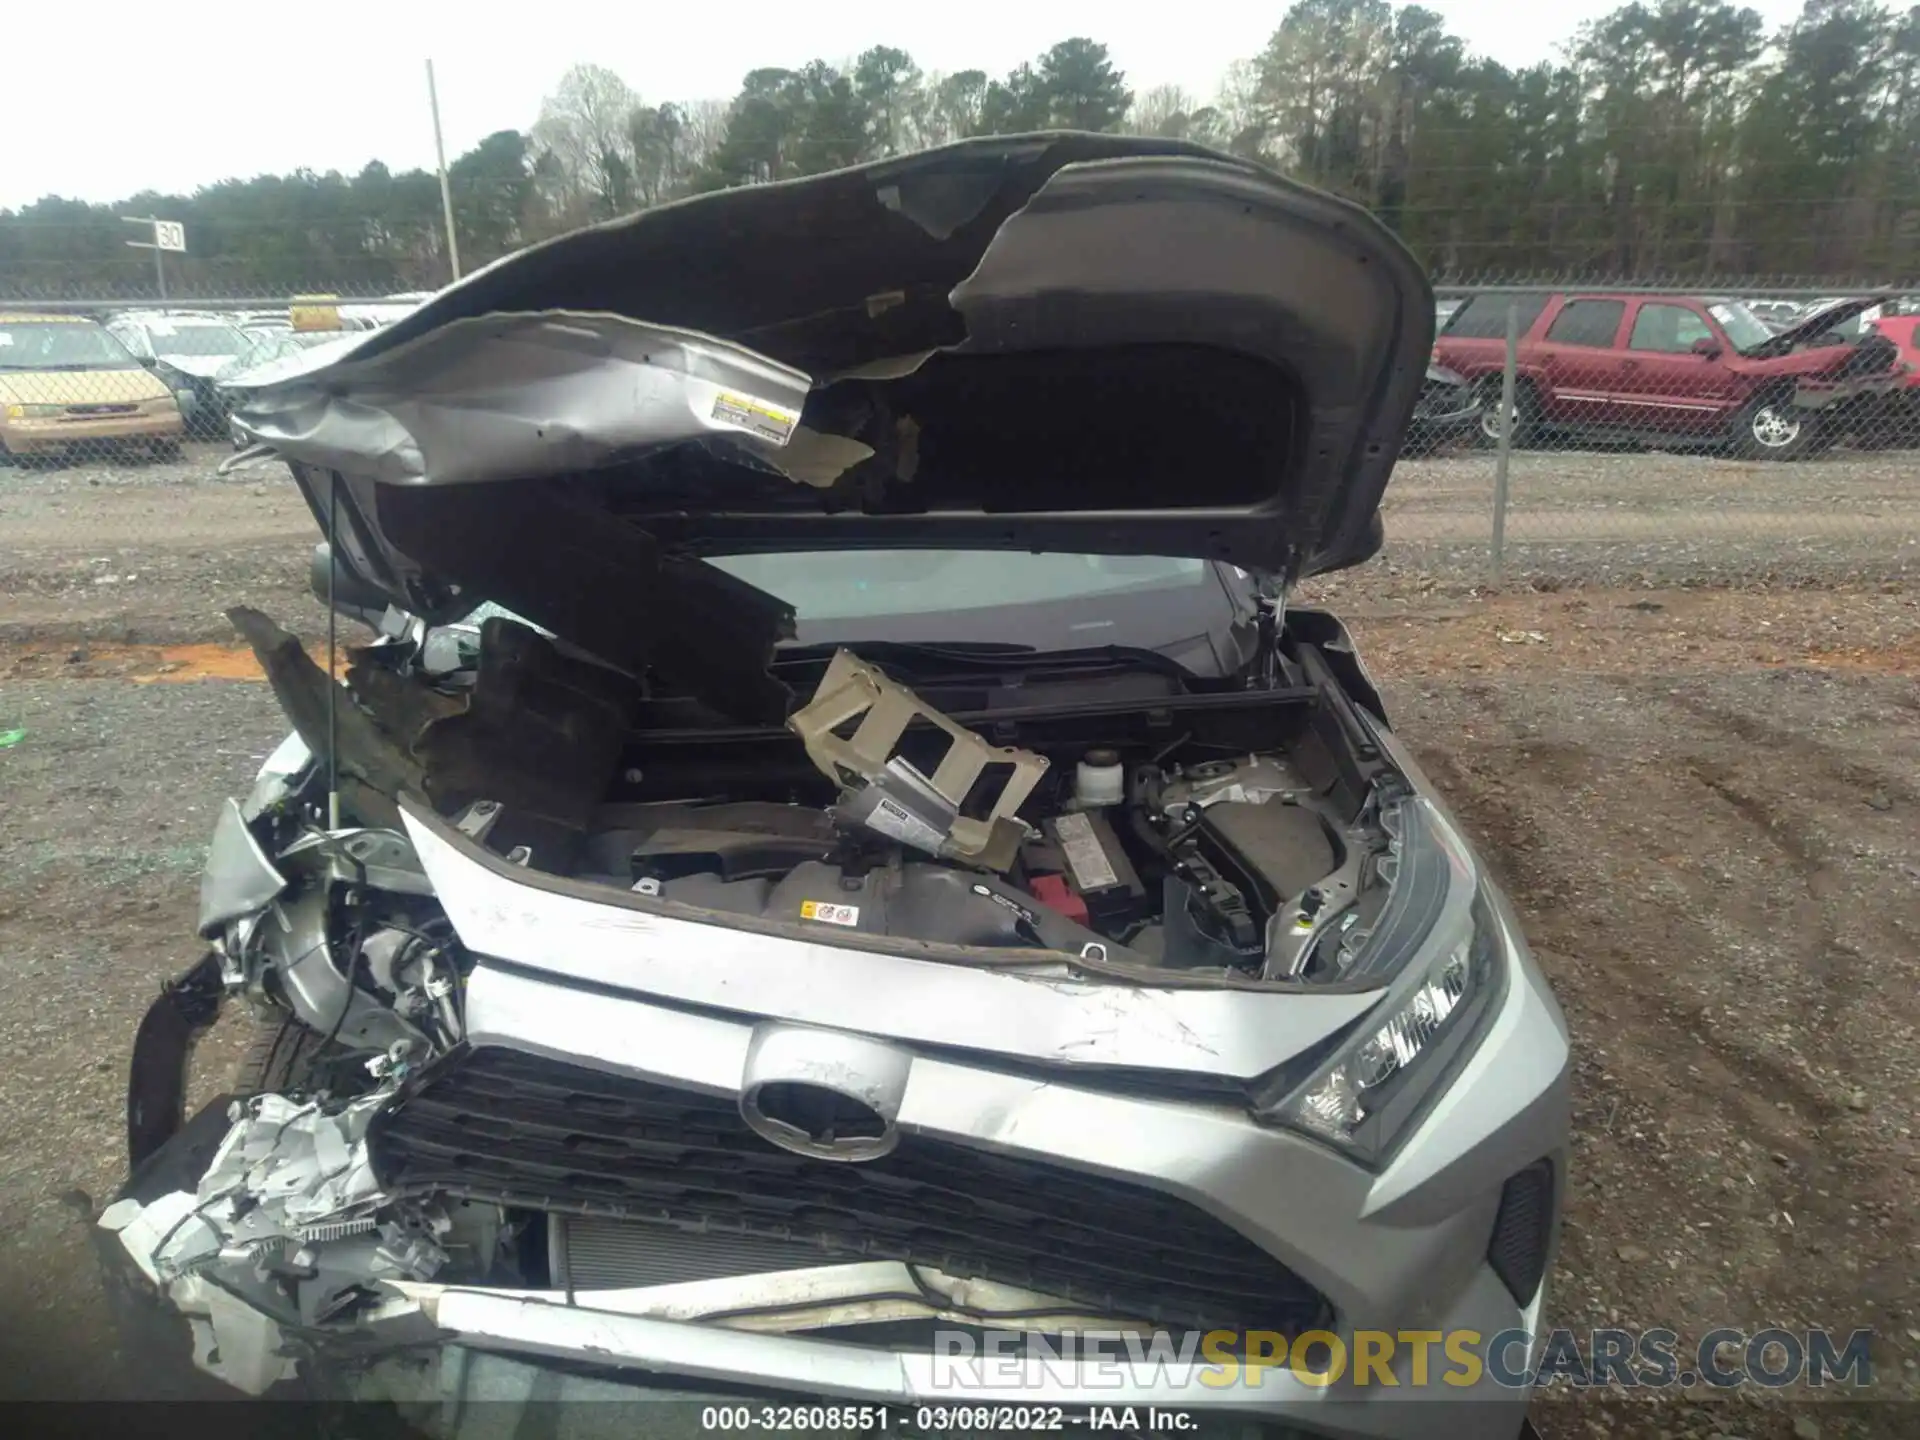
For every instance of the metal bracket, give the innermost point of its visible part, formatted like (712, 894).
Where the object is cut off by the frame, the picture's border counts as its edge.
(890, 795)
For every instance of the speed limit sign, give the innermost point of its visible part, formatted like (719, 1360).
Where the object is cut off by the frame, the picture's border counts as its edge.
(169, 235)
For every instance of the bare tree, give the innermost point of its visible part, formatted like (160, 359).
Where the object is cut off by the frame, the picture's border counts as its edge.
(703, 125)
(1163, 110)
(586, 126)
(955, 104)
(1236, 107)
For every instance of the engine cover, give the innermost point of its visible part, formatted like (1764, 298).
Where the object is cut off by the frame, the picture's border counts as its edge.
(916, 900)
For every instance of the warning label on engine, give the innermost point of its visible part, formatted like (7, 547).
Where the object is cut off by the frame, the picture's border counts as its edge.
(1085, 855)
(828, 913)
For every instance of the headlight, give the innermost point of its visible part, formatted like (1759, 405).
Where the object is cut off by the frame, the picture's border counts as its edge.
(1443, 952)
(34, 412)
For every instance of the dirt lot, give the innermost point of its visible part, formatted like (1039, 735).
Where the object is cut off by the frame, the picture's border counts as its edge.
(1703, 800)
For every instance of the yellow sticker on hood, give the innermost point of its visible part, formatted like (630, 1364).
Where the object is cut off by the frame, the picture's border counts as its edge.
(829, 913)
(756, 417)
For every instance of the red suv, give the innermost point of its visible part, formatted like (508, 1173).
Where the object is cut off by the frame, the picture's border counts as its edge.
(1669, 369)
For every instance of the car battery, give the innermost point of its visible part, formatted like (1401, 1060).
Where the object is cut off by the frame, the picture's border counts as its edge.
(1096, 868)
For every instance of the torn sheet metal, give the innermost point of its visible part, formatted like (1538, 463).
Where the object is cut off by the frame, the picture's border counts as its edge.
(231, 1339)
(283, 1169)
(519, 396)
(240, 878)
(287, 1221)
(886, 793)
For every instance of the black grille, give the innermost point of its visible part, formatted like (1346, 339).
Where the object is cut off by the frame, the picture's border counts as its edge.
(538, 1133)
(1518, 1250)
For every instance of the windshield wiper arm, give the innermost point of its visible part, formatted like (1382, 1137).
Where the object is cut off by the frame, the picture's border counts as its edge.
(959, 652)
(984, 655)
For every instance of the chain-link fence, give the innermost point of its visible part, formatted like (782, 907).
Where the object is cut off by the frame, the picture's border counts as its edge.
(1566, 435)
(1605, 433)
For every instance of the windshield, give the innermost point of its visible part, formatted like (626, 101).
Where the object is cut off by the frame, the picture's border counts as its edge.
(61, 345)
(1195, 612)
(1743, 327)
(172, 339)
(861, 585)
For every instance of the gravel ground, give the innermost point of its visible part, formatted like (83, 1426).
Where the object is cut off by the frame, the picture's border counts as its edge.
(156, 552)
(1702, 801)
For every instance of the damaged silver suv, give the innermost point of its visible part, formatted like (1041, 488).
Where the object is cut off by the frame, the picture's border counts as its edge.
(840, 858)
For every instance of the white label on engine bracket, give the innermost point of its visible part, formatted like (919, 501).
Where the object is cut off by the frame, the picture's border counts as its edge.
(1085, 857)
(897, 822)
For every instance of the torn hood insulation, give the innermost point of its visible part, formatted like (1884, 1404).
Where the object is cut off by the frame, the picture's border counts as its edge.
(1089, 343)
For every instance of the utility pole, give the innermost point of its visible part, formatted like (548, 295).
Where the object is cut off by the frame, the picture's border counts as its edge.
(167, 235)
(446, 190)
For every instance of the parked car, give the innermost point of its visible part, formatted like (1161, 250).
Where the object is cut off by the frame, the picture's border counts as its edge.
(1895, 425)
(1902, 330)
(375, 314)
(1811, 308)
(185, 350)
(907, 834)
(1776, 315)
(66, 384)
(1670, 370)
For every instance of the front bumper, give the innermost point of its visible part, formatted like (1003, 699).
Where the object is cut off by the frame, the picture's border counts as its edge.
(1405, 1249)
(50, 436)
(1429, 430)
(500, 1342)
(1851, 391)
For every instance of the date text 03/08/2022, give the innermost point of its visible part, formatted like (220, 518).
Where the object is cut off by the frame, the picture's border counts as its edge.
(933, 1419)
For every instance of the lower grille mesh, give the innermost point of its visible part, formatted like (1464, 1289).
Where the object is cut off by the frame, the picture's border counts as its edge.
(592, 1252)
(543, 1134)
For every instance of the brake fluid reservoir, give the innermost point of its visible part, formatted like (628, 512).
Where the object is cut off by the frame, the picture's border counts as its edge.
(1098, 780)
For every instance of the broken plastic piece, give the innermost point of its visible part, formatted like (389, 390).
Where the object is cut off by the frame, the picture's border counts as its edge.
(883, 791)
(289, 1200)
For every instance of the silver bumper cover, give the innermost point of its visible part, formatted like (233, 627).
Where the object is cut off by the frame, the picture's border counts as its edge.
(686, 1361)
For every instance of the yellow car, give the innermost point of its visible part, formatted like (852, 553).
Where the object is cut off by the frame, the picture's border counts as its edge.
(66, 384)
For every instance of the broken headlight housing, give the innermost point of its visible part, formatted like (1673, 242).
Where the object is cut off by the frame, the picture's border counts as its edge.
(1443, 952)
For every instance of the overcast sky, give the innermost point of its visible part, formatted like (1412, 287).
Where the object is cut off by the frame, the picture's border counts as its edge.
(214, 90)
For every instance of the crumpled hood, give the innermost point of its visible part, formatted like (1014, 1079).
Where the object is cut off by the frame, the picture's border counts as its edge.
(1060, 342)
(1814, 326)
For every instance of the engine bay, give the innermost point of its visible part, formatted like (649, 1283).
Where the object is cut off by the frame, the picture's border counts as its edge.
(1239, 834)
(1232, 864)
(1190, 834)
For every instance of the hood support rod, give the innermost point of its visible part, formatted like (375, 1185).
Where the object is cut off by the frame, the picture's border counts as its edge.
(333, 676)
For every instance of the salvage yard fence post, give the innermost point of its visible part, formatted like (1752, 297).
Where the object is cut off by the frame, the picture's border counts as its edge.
(1505, 451)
